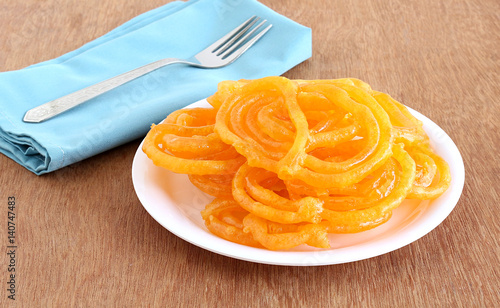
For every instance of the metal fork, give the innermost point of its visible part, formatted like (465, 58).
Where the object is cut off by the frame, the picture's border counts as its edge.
(221, 53)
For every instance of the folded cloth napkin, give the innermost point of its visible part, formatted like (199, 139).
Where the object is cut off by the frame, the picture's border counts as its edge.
(178, 29)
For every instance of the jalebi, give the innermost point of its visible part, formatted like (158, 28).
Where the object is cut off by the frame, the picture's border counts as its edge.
(186, 143)
(289, 161)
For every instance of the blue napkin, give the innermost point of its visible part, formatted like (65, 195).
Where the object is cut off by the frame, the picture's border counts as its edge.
(178, 29)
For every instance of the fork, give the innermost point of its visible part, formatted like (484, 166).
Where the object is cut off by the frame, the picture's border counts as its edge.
(221, 53)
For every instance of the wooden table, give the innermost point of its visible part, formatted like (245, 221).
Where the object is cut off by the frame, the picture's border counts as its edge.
(85, 240)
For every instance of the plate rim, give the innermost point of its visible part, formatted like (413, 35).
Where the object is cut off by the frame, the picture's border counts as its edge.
(319, 257)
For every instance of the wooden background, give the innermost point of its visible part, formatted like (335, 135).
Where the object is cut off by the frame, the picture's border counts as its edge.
(85, 240)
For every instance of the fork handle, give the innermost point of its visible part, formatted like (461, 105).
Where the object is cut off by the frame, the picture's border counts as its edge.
(62, 104)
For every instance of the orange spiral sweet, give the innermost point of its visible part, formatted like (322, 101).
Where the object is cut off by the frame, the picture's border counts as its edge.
(289, 161)
(186, 143)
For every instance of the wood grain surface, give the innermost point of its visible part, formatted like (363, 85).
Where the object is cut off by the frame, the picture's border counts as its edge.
(85, 240)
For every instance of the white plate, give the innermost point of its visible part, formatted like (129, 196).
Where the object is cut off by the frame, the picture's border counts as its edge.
(176, 204)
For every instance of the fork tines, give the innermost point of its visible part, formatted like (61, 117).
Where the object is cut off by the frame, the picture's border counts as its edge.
(240, 39)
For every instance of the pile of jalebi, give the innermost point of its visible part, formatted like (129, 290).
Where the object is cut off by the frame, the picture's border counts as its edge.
(289, 161)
